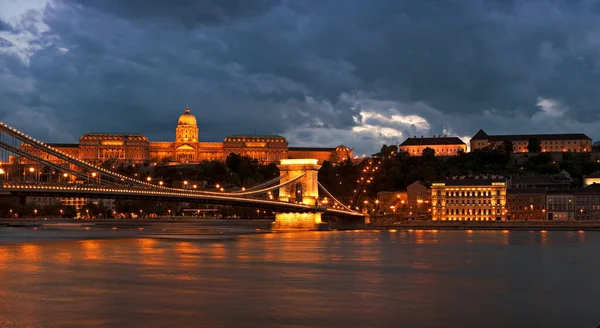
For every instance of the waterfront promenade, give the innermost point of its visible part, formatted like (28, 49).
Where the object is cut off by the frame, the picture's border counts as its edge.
(495, 225)
(265, 224)
(128, 223)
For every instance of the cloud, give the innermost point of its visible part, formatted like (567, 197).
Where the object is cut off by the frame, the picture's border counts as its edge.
(550, 107)
(22, 27)
(369, 74)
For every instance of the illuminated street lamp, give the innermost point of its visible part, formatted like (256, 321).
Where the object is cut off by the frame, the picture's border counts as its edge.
(195, 186)
(149, 179)
(160, 183)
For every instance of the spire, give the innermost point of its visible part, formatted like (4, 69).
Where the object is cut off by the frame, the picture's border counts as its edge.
(187, 108)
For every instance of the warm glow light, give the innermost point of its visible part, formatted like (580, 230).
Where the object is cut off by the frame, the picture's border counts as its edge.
(31, 169)
(299, 161)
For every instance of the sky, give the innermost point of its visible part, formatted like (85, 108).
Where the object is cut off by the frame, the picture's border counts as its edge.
(320, 72)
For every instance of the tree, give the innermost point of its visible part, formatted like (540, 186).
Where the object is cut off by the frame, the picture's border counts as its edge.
(233, 161)
(534, 145)
(428, 154)
(508, 146)
(389, 150)
(69, 211)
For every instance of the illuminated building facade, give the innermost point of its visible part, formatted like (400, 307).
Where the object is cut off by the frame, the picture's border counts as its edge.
(592, 178)
(442, 145)
(98, 148)
(469, 199)
(571, 142)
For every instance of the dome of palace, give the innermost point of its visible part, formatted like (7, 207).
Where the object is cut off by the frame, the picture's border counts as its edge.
(187, 118)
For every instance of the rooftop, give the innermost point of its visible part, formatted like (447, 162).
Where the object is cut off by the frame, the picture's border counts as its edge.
(591, 189)
(540, 180)
(593, 175)
(63, 145)
(485, 180)
(520, 191)
(310, 149)
(432, 141)
(114, 134)
(481, 135)
(265, 136)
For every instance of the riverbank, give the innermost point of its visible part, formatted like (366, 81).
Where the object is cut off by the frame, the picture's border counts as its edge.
(136, 224)
(494, 225)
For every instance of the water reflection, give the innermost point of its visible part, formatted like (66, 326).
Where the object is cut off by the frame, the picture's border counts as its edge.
(91, 250)
(315, 279)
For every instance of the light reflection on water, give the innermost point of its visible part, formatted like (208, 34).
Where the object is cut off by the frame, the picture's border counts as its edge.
(414, 278)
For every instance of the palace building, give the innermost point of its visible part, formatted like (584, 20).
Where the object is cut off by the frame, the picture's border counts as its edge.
(187, 148)
(570, 142)
(469, 199)
(441, 145)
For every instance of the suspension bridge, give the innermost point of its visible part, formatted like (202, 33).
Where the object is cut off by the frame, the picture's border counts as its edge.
(298, 204)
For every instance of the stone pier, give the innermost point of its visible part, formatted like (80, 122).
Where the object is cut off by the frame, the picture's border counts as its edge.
(304, 190)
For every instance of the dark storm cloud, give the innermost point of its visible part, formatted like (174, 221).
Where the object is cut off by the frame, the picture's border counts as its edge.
(320, 72)
(190, 13)
(4, 26)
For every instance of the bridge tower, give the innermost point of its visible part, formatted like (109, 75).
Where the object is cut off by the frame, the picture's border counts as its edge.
(304, 190)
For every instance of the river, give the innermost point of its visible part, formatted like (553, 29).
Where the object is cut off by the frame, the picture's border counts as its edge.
(306, 279)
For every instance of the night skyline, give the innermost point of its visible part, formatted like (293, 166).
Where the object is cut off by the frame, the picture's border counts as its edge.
(319, 73)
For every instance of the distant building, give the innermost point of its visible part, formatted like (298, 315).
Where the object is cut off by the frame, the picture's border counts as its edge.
(98, 148)
(560, 205)
(334, 155)
(561, 181)
(442, 145)
(526, 204)
(571, 142)
(587, 202)
(576, 204)
(480, 198)
(419, 199)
